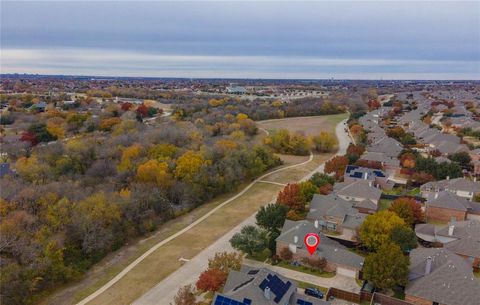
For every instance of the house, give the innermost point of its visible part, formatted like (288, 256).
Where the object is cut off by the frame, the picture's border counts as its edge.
(40, 106)
(391, 165)
(335, 216)
(389, 146)
(379, 178)
(359, 191)
(460, 186)
(440, 277)
(251, 286)
(460, 237)
(338, 257)
(445, 206)
(475, 157)
(236, 90)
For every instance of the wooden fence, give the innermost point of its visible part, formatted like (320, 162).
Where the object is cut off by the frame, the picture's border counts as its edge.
(383, 299)
(348, 295)
(374, 299)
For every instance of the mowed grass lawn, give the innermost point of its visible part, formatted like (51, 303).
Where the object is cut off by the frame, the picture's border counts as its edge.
(164, 260)
(311, 125)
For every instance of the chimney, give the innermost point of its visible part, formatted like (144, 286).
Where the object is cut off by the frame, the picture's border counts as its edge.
(370, 183)
(450, 229)
(295, 239)
(436, 195)
(366, 176)
(316, 224)
(475, 179)
(448, 177)
(266, 293)
(428, 266)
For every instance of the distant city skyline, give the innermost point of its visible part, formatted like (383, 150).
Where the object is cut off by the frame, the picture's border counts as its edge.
(304, 40)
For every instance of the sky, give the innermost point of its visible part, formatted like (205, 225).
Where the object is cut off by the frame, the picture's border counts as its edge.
(243, 39)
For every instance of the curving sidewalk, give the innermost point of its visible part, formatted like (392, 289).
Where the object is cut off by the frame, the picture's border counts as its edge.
(164, 291)
(170, 238)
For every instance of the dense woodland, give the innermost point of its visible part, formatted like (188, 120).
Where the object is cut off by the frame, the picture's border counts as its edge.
(75, 199)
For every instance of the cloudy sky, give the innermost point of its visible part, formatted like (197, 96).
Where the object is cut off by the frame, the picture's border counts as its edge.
(270, 39)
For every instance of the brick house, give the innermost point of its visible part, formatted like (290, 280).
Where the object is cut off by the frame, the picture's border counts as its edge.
(460, 237)
(335, 216)
(460, 186)
(440, 277)
(339, 258)
(445, 206)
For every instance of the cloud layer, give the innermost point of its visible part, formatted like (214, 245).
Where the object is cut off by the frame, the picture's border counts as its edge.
(423, 40)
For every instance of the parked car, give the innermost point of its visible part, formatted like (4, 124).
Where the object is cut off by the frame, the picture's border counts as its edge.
(314, 292)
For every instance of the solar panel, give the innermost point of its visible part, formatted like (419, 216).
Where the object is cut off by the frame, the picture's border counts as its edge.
(303, 302)
(357, 175)
(221, 300)
(276, 285)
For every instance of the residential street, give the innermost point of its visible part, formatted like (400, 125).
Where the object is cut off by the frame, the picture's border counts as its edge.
(164, 291)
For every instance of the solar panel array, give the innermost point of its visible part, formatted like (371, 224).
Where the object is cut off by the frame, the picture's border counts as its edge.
(221, 300)
(276, 285)
(303, 302)
(350, 168)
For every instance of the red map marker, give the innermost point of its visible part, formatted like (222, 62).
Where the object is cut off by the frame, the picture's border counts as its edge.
(311, 240)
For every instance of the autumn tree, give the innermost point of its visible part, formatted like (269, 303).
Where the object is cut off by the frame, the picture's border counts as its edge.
(422, 177)
(185, 296)
(291, 197)
(225, 261)
(154, 171)
(189, 164)
(324, 142)
(407, 160)
(377, 228)
(307, 190)
(354, 152)
(387, 267)
(408, 209)
(108, 123)
(211, 280)
(129, 154)
(336, 165)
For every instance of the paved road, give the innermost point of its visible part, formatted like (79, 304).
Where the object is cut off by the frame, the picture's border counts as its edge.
(164, 291)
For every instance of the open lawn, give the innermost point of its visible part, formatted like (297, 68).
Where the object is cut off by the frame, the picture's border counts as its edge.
(308, 125)
(165, 260)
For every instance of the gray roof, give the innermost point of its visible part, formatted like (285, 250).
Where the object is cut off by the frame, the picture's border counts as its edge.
(380, 157)
(388, 146)
(448, 200)
(450, 280)
(245, 284)
(330, 205)
(456, 184)
(360, 189)
(366, 204)
(329, 249)
(461, 237)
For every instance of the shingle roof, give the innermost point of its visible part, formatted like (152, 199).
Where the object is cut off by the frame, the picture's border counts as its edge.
(450, 281)
(250, 284)
(328, 248)
(448, 200)
(360, 189)
(330, 205)
(456, 184)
